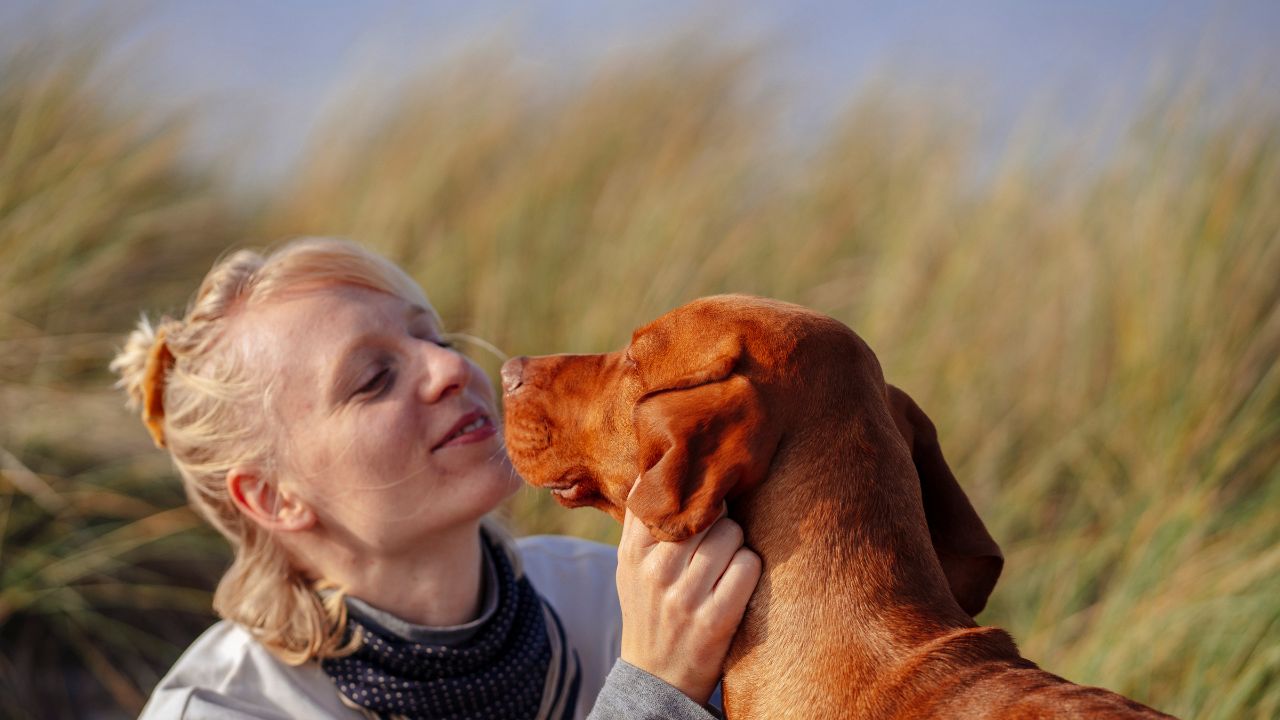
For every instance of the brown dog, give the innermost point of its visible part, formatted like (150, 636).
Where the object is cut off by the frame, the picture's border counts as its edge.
(874, 560)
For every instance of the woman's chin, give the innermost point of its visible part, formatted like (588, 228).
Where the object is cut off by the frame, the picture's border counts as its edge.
(500, 482)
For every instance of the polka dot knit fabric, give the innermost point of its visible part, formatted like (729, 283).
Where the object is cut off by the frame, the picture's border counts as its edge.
(516, 666)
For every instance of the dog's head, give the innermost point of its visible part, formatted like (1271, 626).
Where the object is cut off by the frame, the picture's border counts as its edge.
(692, 411)
(670, 425)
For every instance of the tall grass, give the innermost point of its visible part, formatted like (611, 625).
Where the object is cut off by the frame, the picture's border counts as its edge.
(1095, 334)
(103, 571)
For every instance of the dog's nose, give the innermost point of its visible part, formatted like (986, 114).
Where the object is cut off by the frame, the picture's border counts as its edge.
(513, 374)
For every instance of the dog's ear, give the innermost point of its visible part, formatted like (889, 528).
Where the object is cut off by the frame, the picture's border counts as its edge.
(664, 364)
(970, 558)
(699, 445)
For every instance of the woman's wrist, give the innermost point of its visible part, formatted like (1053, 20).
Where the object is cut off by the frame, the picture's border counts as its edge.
(633, 693)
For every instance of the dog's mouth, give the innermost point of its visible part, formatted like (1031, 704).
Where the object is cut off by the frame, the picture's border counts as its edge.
(573, 489)
(571, 495)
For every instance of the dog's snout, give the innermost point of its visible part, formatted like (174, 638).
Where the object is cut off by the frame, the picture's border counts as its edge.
(513, 374)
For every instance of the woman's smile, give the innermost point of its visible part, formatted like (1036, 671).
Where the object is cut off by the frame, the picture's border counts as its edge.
(476, 426)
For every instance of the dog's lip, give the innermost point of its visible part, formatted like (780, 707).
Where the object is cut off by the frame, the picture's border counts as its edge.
(569, 488)
(561, 486)
(572, 493)
(566, 480)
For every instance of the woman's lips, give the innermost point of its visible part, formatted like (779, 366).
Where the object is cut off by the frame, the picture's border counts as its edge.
(473, 427)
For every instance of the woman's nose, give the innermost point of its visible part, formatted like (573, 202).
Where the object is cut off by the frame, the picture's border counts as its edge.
(446, 372)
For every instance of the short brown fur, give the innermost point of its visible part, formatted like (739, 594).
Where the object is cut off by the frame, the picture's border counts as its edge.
(874, 560)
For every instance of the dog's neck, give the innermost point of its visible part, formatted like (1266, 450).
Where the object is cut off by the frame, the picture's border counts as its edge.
(862, 593)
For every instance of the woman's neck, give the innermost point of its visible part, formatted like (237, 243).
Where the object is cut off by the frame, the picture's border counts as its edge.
(438, 584)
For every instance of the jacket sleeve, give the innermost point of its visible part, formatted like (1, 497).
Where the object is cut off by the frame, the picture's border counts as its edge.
(630, 693)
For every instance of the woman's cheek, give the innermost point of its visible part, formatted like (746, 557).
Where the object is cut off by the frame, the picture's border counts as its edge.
(399, 422)
(480, 385)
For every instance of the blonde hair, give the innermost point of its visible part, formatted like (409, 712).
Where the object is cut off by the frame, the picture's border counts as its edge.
(200, 399)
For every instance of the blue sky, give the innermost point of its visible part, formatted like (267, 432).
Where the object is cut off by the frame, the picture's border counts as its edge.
(262, 71)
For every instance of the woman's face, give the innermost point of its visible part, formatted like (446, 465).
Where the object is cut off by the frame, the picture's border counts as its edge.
(387, 433)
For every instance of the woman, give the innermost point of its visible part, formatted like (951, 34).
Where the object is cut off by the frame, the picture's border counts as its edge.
(321, 421)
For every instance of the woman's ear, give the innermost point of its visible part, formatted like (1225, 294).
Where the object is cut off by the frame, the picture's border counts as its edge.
(271, 507)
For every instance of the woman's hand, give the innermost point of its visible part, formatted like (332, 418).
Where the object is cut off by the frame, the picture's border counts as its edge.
(682, 601)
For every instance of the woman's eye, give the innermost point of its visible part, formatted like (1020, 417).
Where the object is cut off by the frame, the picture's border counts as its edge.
(429, 335)
(376, 384)
(436, 340)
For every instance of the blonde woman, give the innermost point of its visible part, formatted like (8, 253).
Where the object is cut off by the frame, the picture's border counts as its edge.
(321, 421)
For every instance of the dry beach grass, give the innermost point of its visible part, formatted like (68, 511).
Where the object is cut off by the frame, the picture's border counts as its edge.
(1095, 333)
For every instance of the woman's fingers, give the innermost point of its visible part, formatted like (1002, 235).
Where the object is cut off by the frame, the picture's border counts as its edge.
(665, 560)
(713, 555)
(636, 539)
(733, 590)
(683, 601)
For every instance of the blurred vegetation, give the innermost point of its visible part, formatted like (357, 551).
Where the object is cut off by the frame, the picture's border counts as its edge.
(104, 572)
(1095, 332)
